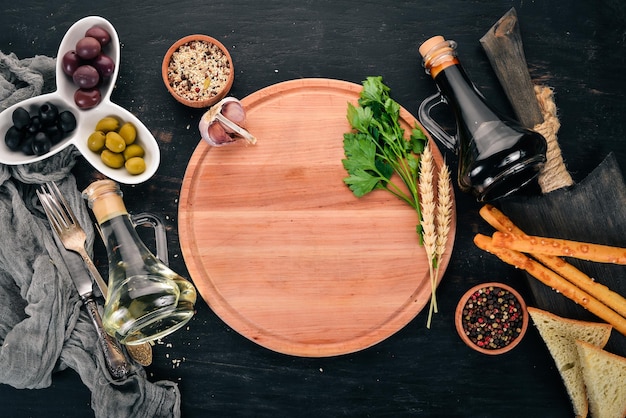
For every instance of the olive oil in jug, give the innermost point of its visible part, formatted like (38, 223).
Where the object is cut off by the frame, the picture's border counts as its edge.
(146, 300)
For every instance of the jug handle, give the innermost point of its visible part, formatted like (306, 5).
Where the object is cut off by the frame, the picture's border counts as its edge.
(160, 238)
(433, 127)
(159, 233)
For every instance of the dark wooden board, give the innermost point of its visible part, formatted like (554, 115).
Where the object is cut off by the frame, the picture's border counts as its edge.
(505, 50)
(591, 211)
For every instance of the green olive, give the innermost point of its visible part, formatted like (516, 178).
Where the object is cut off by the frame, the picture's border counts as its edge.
(128, 132)
(115, 142)
(95, 142)
(135, 165)
(112, 159)
(108, 124)
(133, 150)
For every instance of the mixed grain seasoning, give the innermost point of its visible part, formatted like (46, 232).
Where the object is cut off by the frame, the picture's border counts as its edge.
(492, 317)
(198, 70)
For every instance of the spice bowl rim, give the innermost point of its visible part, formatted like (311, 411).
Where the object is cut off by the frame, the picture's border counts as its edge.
(197, 103)
(458, 318)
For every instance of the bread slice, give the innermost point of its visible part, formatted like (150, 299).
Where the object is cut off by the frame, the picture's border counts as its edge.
(604, 374)
(560, 335)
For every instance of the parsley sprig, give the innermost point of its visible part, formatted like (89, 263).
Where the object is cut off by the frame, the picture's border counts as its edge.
(377, 147)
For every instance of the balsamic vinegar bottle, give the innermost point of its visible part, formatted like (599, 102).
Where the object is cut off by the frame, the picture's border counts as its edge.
(497, 156)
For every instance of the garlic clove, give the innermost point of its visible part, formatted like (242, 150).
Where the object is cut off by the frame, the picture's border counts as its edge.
(221, 124)
(218, 136)
(234, 111)
(236, 129)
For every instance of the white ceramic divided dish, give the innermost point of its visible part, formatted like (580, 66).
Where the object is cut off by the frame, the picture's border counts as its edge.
(86, 120)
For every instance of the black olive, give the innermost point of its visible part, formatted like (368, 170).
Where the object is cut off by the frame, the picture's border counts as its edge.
(67, 121)
(54, 133)
(41, 143)
(21, 118)
(48, 113)
(38, 133)
(27, 145)
(35, 125)
(13, 138)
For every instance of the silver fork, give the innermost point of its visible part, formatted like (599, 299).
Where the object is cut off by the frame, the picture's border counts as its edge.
(73, 237)
(68, 229)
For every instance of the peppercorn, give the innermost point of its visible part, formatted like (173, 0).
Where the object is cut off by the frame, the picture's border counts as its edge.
(491, 317)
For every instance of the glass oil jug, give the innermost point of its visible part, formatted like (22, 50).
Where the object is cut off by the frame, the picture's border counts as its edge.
(146, 300)
(497, 156)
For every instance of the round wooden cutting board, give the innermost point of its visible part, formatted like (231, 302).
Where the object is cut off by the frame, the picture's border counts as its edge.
(281, 249)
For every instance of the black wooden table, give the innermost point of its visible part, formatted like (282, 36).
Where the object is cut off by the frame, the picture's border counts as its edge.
(576, 47)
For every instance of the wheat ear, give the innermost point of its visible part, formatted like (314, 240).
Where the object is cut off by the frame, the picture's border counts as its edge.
(444, 213)
(429, 231)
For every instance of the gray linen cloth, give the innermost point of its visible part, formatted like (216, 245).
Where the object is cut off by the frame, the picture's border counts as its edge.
(42, 326)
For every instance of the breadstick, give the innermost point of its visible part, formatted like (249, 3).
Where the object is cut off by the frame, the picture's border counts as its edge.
(499, 220)
(554, 281)
(560, 247)
(612, 299)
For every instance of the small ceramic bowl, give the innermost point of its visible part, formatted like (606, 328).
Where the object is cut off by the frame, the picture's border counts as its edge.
(86, 119)
(491, 318)
(198, 71)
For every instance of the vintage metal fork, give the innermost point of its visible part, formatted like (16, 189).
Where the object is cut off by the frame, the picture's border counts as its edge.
(66, 228)
(69, 231)
(73, 238)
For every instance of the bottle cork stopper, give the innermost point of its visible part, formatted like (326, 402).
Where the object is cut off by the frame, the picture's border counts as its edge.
(429, 44)
(105, 200)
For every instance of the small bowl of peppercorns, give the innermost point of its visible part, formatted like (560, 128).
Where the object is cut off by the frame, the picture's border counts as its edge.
(198, 71)
(491, 318)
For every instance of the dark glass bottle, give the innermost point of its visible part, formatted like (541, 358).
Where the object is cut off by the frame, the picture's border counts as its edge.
(497, 156)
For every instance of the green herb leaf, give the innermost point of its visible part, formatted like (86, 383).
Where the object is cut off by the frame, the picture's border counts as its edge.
(384, 168)
(374, 91)
(418, 141)
(361, 182)
(360, 118)
(377, 149)
(360, 153)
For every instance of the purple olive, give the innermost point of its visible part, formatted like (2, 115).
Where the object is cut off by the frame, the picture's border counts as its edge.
(87, 98)
(104, 64)
(70, 62)
(86, 77)
(99, 33)
(88, 48)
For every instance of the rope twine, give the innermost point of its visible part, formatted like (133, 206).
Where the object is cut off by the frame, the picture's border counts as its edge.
(554, 174)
